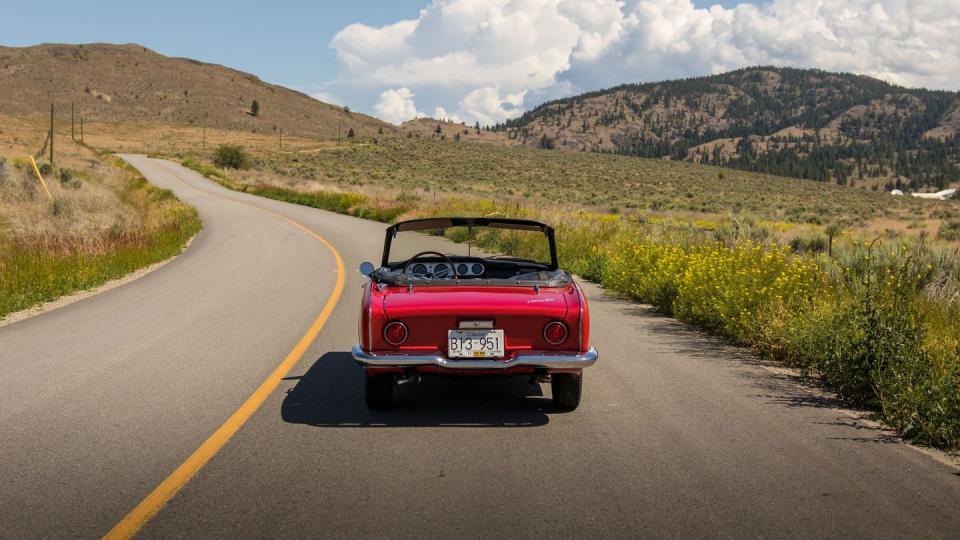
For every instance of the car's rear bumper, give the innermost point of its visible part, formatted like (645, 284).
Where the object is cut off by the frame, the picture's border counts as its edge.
(542, 360)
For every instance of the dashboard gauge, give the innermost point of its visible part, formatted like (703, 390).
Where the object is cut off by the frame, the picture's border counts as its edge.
(477, 269)
(441, 271)
(418, 270)
(462, 269)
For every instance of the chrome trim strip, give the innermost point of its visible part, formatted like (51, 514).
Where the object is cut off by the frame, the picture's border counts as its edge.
(544, 359)
(580, 320)
(370, 314)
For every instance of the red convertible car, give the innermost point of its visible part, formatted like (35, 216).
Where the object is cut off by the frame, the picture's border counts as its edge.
(464, 313)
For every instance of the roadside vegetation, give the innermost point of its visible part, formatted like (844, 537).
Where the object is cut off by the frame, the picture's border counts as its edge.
(103, 222)
(432, 169)
(872, 314)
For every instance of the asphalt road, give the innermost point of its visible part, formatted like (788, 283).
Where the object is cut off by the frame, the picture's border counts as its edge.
(678, 435)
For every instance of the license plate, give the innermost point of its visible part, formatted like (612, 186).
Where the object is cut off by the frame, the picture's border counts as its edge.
(475, 343)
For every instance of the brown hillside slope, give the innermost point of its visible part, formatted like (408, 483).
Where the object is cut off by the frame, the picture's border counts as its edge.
(130, 82)
(427, 128)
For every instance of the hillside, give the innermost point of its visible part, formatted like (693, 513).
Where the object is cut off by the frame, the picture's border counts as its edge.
(132, 83)
(445, 129)
(426, 168)
(843, 128)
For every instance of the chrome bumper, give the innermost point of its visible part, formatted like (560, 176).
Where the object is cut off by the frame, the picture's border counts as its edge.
(544, 360)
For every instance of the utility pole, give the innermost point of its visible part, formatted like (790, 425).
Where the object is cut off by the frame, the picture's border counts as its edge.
(51, 134)
(281, 138)
(203, 145)
(73, 136)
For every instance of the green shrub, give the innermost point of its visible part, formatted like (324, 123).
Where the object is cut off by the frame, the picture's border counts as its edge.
(115, 231)
(919, 396)
(949, 231)
(814, 243)
(59, 207)
(874, 329)
(68, 178)
(228, 156)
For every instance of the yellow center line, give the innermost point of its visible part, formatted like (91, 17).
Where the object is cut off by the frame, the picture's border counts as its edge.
(172, 484)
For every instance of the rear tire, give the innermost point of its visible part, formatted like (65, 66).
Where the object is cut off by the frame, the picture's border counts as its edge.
(379, 392)
(567, 388)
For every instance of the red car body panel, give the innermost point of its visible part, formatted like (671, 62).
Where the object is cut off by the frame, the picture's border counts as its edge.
(429, 312)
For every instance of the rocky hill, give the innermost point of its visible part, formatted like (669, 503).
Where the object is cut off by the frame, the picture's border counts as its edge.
(843, 128)
(130, 82)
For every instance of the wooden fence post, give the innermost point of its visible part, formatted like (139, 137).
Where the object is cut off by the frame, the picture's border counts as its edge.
(51, 134)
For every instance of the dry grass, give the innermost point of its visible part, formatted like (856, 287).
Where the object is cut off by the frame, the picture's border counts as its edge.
(147, 138)
(89, 205)
(425, 166)
(104, 220)
(644, 189)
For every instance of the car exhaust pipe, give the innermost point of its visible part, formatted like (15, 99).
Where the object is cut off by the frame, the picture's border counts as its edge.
(539, 377)
(408, 376)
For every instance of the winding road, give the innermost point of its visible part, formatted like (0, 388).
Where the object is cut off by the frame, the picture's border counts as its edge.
(222, 378)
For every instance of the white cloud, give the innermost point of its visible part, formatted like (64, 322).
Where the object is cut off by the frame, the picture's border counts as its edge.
(441, 114)
(491, 56)
(486, 105)
(396, 106)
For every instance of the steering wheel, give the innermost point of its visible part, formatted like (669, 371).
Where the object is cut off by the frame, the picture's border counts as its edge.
(446, 259)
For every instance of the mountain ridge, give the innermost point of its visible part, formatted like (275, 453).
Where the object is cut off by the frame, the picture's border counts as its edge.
(130, 82)
(806, 123)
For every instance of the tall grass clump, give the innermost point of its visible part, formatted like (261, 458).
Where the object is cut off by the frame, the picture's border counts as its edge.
(351, 204)
(211, 172)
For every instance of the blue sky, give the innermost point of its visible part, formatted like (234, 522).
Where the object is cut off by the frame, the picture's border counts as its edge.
(486, 60)
(284, 42)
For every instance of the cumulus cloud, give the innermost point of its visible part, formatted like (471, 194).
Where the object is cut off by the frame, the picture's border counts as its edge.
(441, 114)
(486, 105)
(397, 106)
(492, 59)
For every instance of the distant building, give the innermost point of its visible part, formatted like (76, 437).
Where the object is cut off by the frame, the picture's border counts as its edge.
(939, 196)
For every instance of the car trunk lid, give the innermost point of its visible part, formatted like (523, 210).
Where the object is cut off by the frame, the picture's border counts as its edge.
(431, 311)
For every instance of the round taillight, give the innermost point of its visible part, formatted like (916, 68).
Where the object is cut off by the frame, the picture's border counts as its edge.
(555, 332)
(395, 333)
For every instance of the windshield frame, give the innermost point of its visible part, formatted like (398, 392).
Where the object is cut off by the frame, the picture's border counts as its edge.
(448, 222)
